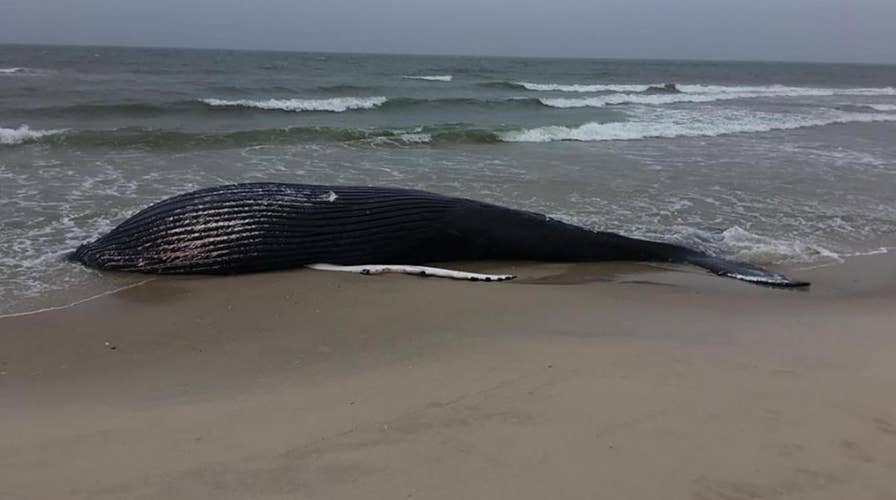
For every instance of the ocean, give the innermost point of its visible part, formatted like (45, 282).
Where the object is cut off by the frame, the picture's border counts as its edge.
(773, 163)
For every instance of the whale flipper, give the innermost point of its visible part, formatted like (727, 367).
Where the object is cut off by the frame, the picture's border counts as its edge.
(437, 272)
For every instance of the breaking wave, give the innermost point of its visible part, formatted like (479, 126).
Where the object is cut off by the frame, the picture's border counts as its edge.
(341, 104)
(10, 136)
(335, 105)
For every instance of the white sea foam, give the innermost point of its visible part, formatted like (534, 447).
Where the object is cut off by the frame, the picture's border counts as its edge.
(744, 245)
(404, 138)
(738, 243)
(669, 124)
(883, 107)
(9, 71)
(9, 136)
(432, 78)
(415, 138)
(335, 104)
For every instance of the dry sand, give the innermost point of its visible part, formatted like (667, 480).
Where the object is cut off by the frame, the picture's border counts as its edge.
(614, 381)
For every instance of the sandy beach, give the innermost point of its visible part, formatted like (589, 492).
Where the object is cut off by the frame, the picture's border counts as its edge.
(617, 381)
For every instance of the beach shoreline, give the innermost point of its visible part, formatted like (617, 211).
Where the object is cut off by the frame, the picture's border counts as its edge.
(574, 381)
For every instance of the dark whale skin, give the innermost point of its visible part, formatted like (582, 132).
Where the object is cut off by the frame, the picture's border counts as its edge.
(253, 227)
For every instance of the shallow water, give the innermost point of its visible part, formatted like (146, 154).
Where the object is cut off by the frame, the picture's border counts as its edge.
(772, 163)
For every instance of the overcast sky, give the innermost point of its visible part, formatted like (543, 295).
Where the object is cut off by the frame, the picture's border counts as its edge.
(803, 30)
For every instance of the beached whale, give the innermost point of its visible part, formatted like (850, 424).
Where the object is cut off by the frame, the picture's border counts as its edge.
(242, 228)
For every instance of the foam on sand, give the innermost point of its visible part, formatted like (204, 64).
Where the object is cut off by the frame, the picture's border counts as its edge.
(335, 104)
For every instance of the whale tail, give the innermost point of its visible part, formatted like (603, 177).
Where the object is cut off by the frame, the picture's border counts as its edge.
(625, 248)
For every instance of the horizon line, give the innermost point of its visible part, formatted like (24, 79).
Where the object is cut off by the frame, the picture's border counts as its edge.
(419, 54)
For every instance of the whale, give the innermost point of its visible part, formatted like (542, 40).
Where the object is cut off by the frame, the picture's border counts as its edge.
(267, 226)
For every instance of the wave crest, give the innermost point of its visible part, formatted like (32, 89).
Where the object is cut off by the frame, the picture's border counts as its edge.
(335, 104)
(10, 136)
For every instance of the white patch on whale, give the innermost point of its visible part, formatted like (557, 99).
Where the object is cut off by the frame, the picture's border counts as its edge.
(414, 270)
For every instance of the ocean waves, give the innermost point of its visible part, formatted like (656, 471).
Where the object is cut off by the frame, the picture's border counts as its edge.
(672, 124)
(686, 94)
(650, 123)
(283, 105)
(342, 104)
(162, 139)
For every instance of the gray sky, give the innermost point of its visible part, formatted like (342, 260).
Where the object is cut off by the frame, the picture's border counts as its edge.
(803, 30)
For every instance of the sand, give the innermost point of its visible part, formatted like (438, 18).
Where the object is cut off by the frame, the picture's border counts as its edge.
(616, 381)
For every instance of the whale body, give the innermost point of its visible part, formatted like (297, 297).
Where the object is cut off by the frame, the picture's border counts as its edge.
(252, 227)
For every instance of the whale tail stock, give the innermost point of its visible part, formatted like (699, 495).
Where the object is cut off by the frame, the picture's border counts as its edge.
(533, 236)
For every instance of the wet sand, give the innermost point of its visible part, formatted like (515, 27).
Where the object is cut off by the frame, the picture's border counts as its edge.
(617, 381)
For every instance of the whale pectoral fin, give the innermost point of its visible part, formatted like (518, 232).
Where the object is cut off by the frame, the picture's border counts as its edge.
(744, 272)
(415, 270)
